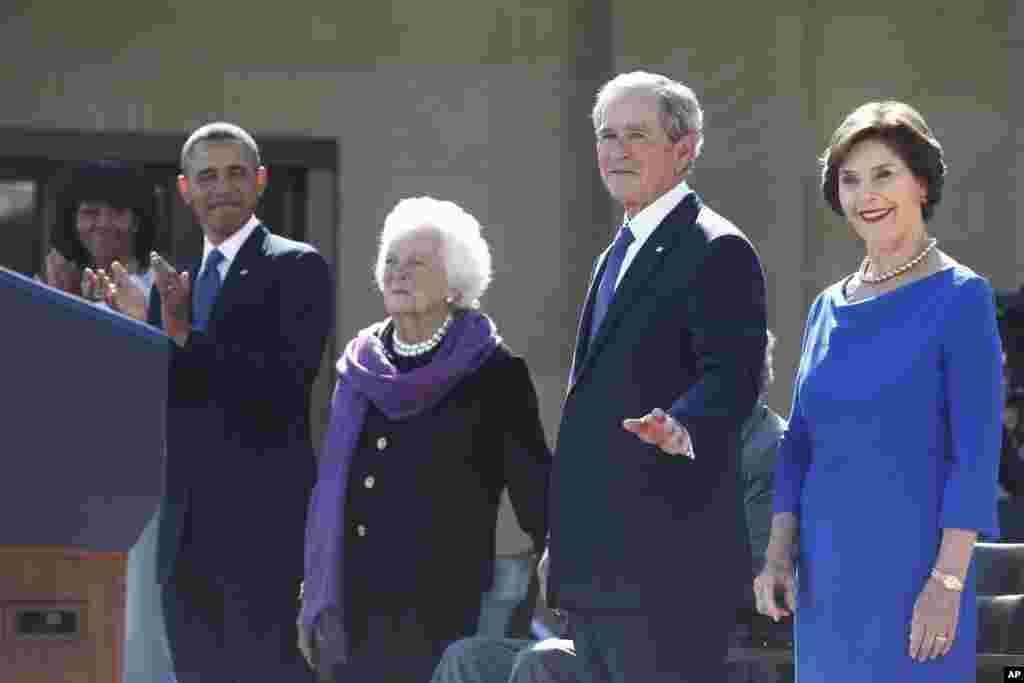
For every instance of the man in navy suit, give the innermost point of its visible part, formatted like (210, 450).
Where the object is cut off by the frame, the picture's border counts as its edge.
(249, 324)
(648, 551)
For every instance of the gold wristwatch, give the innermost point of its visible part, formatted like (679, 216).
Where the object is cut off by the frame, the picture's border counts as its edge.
(948, 581)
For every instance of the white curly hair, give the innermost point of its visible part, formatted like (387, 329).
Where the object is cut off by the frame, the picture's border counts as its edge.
(467, 257)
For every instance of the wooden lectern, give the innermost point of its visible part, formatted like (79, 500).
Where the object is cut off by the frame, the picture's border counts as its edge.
(82, 413)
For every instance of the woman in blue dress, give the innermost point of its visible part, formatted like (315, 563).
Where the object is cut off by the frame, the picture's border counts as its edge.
(887, 474)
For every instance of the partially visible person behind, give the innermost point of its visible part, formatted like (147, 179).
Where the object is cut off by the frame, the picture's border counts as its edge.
(106, 222)
(1011, 462)
(759, 444)
(887, 473)
(433, 416)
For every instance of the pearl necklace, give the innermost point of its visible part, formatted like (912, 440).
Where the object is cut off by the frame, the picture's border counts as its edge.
(895, 272)
(420, 348)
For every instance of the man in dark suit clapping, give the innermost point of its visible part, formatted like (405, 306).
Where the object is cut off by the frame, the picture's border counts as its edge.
(249, 323)
(648, 549)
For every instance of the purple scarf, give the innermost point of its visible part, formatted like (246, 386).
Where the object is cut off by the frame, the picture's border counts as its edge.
(366, 375)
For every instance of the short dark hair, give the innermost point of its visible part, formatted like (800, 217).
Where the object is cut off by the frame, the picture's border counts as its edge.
(219, 131)
(903, 130)
(121, 185)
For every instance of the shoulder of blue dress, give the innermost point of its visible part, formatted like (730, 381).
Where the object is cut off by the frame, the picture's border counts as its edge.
(968, 286)
(961, 274)
(827, 298)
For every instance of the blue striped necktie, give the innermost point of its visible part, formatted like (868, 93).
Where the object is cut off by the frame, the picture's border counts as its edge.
(204, 295)
(612, 268)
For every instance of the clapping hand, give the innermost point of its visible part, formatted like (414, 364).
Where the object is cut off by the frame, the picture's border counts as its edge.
(62, 273)
(661, 429)
(119, 290)
(175, 298)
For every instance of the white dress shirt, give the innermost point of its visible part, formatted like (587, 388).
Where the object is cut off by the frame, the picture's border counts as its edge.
(649, 218)
(229, 247)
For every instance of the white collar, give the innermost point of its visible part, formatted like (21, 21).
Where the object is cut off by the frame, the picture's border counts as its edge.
(651, 216)
(231, 246)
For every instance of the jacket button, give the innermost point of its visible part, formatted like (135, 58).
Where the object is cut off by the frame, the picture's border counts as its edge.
(382, 443)
(369, 482)
(361, 529)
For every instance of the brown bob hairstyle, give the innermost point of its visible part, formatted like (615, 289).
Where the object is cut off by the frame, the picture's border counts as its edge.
(900, 127)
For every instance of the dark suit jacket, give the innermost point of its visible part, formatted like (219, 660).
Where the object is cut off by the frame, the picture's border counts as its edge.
(240, 464)
(633, 528)
(431, 513)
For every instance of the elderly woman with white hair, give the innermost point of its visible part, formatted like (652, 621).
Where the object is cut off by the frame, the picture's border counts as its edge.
(431, 419)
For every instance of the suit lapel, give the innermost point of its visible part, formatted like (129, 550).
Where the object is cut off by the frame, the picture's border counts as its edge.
(244, 262)
(647, 263)
(583, 326)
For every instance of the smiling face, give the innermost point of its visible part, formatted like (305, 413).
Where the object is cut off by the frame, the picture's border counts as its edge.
(879, 194)
(107, 232)
(637, 159)
(414, 279)
(222, 185)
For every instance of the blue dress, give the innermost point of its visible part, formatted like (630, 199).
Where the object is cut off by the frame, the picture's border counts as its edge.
(894, 435)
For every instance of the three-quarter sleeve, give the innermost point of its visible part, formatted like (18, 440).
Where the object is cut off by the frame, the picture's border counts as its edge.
(793, 460)
(794, 455)
(971, 365)
(526, 456)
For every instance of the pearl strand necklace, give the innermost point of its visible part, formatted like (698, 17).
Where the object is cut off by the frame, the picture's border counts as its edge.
(895, 272)
(420, 348)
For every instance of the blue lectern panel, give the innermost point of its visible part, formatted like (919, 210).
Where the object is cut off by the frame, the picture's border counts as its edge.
(82, 411)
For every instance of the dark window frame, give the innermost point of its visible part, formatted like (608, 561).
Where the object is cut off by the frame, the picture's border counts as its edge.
(38, 154)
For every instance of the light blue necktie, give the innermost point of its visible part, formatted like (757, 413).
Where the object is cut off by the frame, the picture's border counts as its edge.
(204, 295)
(612, 268)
